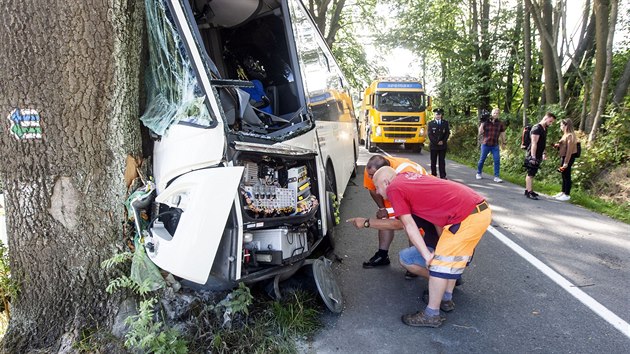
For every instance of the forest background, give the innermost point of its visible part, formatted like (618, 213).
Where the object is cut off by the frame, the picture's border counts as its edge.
(524, 57)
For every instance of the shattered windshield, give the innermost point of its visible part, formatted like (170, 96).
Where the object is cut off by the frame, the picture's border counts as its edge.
(174, 94)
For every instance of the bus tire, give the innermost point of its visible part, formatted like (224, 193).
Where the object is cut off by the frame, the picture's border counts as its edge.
(354, 166)
(332, 203)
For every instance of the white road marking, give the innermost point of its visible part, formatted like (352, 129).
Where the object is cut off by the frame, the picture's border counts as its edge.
(599, 309)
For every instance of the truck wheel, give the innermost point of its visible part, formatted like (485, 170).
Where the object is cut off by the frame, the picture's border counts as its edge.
(371, 147)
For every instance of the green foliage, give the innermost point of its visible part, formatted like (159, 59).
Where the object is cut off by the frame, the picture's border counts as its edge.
(612, 149)
(8, 286)
(116, 259)
(151, 336)
(295, 317)
(270, 326)
(145, 334)
(237, 301)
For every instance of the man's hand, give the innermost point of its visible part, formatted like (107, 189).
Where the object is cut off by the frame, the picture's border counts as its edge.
(382, 213)
(428, 257)
(440, 142)
(357, 222)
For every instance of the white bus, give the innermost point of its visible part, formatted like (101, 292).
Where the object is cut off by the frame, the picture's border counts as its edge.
(255, 139)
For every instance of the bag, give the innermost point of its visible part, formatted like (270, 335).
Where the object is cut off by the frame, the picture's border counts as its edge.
(578, 151)
(526, 138)
(531, 162)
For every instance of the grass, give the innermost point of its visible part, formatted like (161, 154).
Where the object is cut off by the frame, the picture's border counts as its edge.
(270, 327)
(580, 197)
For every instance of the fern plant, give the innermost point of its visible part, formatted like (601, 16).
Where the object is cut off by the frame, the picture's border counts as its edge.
(145, 334)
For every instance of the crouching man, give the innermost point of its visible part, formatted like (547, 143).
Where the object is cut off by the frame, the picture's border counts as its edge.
(461, 217)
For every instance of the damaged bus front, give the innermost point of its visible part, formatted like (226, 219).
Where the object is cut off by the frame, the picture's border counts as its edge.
(247, 179)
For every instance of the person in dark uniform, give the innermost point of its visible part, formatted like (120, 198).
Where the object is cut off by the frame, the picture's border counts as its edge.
(438, 135)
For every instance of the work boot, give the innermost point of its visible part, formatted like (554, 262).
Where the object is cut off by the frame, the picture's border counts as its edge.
(376, 261)
(446, 306)
(419, 319)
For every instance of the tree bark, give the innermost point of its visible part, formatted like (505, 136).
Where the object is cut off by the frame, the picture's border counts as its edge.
(621, 89)
(77, 65)
(603, 97)
(527, 67)
(551, 61)
(516, 35)
(601, 8)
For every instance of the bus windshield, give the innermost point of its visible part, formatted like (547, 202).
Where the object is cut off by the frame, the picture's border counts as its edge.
(399, 101)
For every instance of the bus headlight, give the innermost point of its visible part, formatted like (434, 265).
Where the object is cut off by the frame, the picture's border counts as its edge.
(421, 133)
(378, 131)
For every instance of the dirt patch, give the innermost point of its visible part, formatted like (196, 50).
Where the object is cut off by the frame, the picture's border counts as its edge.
(614, 185)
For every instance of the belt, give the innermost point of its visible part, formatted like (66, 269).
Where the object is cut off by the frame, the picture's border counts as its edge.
(480, 207)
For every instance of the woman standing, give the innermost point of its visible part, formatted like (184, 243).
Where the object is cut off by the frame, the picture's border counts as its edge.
(567, 147)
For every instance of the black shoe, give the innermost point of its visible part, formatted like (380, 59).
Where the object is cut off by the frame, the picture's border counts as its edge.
(534, 194)
(409, 275)
(530, 195)
(376, 261)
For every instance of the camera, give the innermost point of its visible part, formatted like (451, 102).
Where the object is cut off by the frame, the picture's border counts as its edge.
(484, 116)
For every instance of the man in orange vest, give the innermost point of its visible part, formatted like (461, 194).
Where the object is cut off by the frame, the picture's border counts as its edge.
(385, 210)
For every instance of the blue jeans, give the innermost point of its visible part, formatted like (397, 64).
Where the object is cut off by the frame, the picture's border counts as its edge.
(485, 150)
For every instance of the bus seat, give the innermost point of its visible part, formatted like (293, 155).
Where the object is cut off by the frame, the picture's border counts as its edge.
(272, 94)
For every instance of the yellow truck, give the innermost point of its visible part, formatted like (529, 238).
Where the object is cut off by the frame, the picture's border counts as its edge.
(393, 112)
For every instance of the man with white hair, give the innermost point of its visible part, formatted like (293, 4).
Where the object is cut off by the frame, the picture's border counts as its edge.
(461, 217)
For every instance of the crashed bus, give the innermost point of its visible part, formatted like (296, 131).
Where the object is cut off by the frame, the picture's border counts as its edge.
(248, 168)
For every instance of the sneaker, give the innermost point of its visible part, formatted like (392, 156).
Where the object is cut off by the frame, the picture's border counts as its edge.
(563, 198)
(376, 261)
(498, 180)
(534, 194)
(557, 195)
(478, 176)
(530, 195)
(409, 275)
(446, 306)
(419, 319)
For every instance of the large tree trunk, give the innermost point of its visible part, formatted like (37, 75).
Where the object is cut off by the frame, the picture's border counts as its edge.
(601, 8)
(76, 64)
(603, 97)
(550, 56)
(516, 35)
(580, 60)
(527, 67)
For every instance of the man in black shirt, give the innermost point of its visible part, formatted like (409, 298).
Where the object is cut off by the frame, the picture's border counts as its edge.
(536, 152)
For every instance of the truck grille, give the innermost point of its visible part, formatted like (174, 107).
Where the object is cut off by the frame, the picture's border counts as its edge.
(400, 132)
(400, 119)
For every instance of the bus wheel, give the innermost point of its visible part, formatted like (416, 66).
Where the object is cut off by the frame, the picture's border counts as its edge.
(371, 147)
(333, 215)
(354, 165)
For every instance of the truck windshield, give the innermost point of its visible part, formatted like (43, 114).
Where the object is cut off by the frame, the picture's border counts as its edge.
(399, 101)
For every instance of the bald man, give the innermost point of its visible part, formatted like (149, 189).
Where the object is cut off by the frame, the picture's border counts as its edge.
(461, 217)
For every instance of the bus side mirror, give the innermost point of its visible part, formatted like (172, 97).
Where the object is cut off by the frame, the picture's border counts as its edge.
(429, 103)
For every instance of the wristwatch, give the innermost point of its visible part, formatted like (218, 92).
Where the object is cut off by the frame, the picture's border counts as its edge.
(366, 223)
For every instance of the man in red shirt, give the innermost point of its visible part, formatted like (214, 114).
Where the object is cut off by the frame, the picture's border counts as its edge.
(461, 217)
(385, 237)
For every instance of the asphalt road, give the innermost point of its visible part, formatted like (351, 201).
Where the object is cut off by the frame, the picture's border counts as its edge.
(509, 302)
